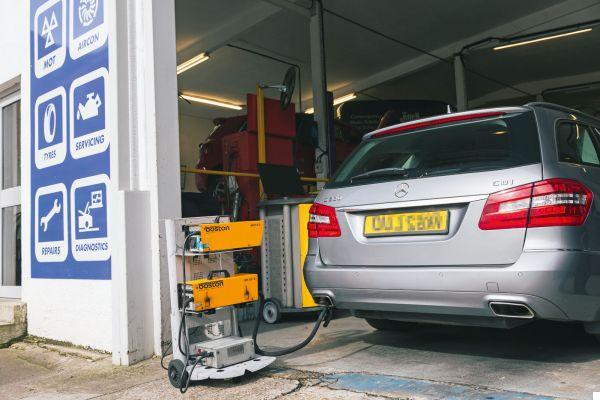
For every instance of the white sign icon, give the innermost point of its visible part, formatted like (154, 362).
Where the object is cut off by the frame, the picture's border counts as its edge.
(87, 11)
(49, 37)
(96, 199)
(49, 122)
(89, 114)
(50, 126)
(47, 29)
(85, 221)
(50, 233)
(91, 107)
(87, 28)
(90, 225)
(45, 220)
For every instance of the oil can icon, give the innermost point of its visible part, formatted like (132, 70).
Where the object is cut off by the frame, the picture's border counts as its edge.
(91, 107)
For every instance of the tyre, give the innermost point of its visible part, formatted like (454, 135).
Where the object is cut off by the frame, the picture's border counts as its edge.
(271, 312)
(390, 325)
(177, 374)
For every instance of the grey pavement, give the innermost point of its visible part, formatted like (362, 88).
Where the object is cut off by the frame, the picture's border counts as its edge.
(347, 360)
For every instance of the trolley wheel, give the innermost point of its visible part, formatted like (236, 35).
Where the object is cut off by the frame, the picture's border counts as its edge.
(177, 373)
(271, 313)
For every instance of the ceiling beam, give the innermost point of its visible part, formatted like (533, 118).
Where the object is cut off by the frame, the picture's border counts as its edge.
(423, 61)
(228, 30)
(271, 53)
(536, 87)
(291, 6)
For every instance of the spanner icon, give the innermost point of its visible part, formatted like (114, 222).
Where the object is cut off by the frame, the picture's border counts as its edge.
(46, 219)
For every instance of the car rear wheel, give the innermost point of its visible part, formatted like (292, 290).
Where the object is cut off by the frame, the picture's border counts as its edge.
(390, 325)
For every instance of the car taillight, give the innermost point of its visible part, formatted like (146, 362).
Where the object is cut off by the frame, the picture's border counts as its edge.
(552, 202)
(322, 222)
(559, 202)
(507, 209)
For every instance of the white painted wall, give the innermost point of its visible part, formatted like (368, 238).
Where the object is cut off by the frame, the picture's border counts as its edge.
(192, 132)
(12, 39)
(122, 316)
(73, 311)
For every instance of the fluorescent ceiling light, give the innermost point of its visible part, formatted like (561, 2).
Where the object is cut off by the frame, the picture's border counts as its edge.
(204, 100)
(336, 102)
(542, 39)
(192, 62)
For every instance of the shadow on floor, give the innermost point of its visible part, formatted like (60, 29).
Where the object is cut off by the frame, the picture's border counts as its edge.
(542, 341)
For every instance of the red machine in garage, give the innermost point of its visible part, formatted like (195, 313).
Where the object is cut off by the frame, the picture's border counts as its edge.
(240, 151)
(233, 146)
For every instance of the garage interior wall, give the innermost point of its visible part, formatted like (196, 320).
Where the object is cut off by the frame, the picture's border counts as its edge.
(192, 131)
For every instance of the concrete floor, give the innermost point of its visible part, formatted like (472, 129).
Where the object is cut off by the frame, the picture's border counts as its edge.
(347, 360)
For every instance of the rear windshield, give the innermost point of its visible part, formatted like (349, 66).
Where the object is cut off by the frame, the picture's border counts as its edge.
(482, 145)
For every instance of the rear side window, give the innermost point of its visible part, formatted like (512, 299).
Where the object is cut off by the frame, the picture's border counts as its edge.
(481, 145)
(577, 144)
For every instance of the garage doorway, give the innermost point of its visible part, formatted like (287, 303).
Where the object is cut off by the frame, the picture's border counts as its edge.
(10, 196)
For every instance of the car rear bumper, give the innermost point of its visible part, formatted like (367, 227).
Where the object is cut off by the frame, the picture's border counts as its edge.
(557, 285)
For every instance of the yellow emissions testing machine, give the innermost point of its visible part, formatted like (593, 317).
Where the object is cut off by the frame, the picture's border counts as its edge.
(206, 341)
(229, 236)
(212, 293)
(219, 289)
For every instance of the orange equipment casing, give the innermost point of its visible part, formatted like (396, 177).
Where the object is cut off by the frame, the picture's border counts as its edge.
(222, 292)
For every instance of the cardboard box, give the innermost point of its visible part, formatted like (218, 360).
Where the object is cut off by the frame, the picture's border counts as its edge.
(198, 266)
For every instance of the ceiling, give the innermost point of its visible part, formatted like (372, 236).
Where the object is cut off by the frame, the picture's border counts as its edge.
(363, 61)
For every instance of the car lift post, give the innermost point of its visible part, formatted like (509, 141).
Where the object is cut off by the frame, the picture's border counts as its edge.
(261, 132)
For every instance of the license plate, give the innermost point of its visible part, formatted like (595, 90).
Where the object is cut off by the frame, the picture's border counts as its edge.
(414, 223)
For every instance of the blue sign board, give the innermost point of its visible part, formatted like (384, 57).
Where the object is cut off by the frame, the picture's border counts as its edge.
(70, 152)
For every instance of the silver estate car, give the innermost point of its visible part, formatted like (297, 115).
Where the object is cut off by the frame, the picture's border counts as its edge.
(487, 218)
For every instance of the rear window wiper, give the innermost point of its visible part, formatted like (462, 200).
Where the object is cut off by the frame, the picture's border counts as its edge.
(381, 173)
(470, 168)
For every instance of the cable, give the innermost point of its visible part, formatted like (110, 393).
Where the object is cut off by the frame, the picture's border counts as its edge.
(164, 353)
(325, 316)
(204, 355)
(546, 21)
(182, 388)
(184, 301)
(415, 48)
(278, 60)
(182, 323)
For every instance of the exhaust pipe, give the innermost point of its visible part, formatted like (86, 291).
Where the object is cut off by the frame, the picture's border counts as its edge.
(511, 310)
(324, 300)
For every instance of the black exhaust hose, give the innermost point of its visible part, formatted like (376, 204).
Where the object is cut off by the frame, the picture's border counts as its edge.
(325, 315)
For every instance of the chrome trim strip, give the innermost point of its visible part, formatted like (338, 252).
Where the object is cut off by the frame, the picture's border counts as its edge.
(414, 203)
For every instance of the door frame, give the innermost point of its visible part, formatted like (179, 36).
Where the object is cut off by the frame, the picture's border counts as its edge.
(8, 198)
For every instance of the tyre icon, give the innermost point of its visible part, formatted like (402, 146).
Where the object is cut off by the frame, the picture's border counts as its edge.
(49, 123)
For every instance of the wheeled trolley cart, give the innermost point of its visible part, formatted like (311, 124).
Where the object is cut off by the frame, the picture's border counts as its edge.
(284, 249)
(206, 340)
